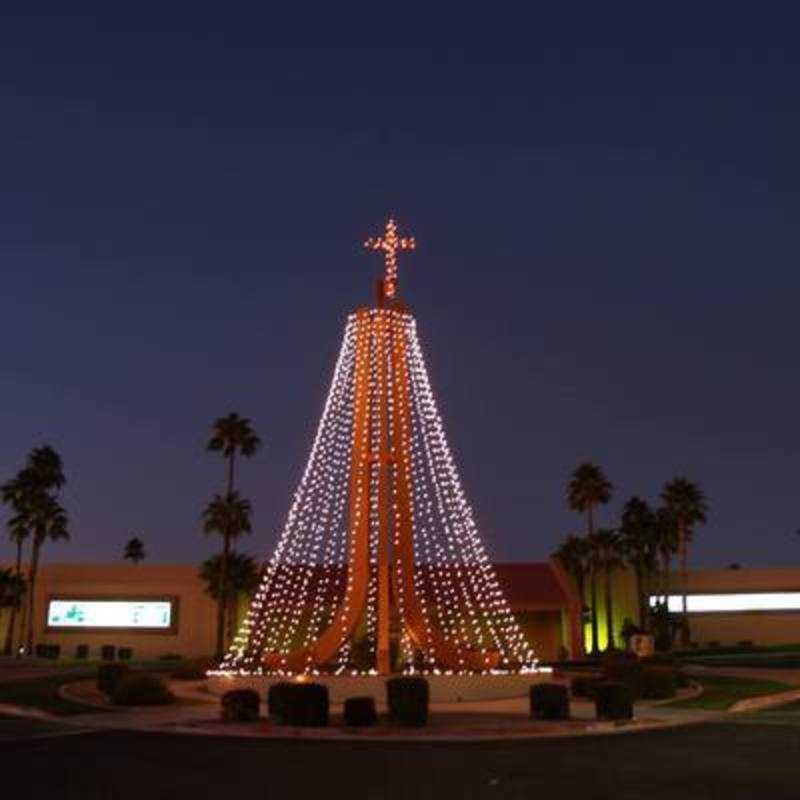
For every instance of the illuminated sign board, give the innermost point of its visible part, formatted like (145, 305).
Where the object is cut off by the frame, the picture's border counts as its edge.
(738, 601)
(133, 614)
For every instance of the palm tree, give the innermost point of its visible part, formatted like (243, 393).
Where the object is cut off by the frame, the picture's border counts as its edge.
(242, 577)
(231, 435)
(19, 532)
(638, 538)
(228, 516)
(594, 569)
(134, 550)
(12, 588)
(687, 505)
(33, 496)
(666, 537)
(573, 555)
(588, 487)
(49, 521)
(607, 557)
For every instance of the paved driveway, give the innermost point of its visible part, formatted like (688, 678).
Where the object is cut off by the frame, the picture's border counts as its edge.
(731, 761)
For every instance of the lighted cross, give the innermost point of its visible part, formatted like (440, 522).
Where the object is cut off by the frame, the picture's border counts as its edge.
(390, 243)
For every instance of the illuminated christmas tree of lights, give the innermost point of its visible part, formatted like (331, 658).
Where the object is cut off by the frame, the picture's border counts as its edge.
(379, 567)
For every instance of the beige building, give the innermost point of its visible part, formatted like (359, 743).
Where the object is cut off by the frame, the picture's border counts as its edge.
(159, 609)
(725, 606)
(154, 609)
(728, 606)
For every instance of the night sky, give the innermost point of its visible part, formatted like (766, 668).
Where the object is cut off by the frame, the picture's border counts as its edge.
(606, 212)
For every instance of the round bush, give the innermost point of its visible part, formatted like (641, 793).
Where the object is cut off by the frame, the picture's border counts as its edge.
(359, 712)
(141, 689)
(277, 700)
(658, 683)
(407, 698)
(110, 675)
(629, 671)
(585, 686)
(614, 701)
(303, 704)
(549, 701)
(240, 705)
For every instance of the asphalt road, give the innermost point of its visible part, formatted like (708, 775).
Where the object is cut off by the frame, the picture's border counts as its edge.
(746, 760)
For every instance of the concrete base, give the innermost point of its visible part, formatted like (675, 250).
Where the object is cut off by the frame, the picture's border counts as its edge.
(443, 688)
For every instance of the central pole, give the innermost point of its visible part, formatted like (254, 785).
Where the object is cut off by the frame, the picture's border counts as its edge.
(381, 350)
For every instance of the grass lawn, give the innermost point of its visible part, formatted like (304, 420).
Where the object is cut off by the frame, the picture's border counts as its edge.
(42, 693)
(722, 691)
(735, 650)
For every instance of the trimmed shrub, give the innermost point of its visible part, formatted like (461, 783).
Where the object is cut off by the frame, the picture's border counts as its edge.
(109, 676)
(407, 698)
(141, 689)
(549, 701)
(658, 683)
(125, 653)
(108, 652)
(303, 704)
(660, 659)
(359, 712)
(240, 705)
(193, 669)
(629, 671)
(585, 686)
(308, 705)
(278, 700)
(614, 701)
(82, 651)
(682, 680)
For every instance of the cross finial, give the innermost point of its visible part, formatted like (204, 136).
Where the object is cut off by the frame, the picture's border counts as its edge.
(390, 243)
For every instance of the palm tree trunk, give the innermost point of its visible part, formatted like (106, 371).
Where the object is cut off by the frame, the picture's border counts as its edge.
(230, 472)
(665, 566)
(37, 546)
(684, 548)
(637, 569)
(232, 609)
(9, 643)
(12, 621)
(23, 618)
(593, 583)
(580, 579)
(223, 591)
(610, 644)
(593, 589)
(222, 603)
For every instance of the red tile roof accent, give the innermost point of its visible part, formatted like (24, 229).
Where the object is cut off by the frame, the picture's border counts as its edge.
(532, 585)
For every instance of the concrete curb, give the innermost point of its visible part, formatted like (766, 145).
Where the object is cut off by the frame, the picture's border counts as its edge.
(64, 693)
(366, 737)
(29, 712)
(765, 701)
(198, 726)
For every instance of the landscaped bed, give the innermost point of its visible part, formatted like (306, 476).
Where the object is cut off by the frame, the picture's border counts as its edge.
(720, 692)
(43, 694)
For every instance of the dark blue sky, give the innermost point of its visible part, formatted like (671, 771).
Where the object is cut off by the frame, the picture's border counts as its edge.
(607, 218)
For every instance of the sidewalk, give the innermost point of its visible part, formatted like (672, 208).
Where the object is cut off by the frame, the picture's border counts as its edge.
(495, 720)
